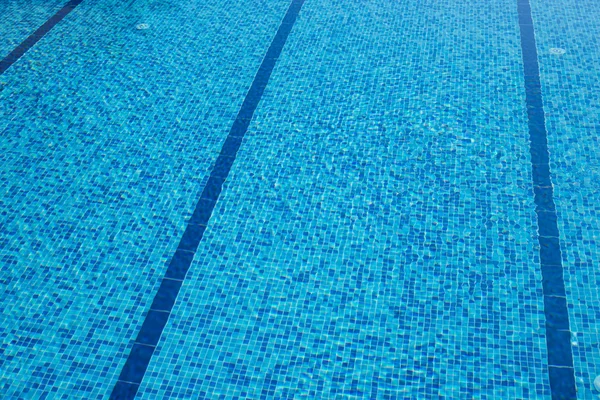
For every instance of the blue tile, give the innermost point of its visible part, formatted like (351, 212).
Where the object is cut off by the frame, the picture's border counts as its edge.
(202, 212)
(191, 237)
(179, 265)
(241, 123)
(552, 280)
(378, 214)
(541, 173)
(536, 112)
(213, 188)
(557, 315)
(544, 198)
(550, 253)
(153, 326)
(124, 391)
(524, 13)
(166, 295)
(562, 381)
(559, 348)
(547, 224)
(119, 125)
(136, 364)
(555, 308)
(28, 43)
(230, 148)
(168, 291)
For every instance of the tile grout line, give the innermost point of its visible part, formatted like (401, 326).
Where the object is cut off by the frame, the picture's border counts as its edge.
(137, 362)
(558, 335)
(36, 36)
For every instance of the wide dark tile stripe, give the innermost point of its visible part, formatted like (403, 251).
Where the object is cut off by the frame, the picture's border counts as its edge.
(35, 37)
(139, 358)
(558, 336)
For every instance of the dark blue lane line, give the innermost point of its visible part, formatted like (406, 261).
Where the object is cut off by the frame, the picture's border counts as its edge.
(35, 37)
(139, 358)
(558, 334)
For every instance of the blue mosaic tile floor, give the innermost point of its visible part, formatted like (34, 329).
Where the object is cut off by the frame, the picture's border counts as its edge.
(20, 19)
(571, 92)
(376, 237)
(101, 163)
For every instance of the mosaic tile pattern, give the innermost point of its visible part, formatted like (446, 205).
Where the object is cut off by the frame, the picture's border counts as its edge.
(376, 237)
(107, 134)
(19, 19)
(571, 96)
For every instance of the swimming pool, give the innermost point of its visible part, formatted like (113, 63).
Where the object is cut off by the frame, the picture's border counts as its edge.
(299, 199)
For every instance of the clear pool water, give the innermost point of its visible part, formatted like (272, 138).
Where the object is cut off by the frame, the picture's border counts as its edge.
(323, 199)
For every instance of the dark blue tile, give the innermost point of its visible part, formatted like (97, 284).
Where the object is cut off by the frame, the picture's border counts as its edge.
(531, 69)
(527, 38)
(124, 391)
(555, 309)
(540, 132)
(253, 96)
(539, 155)
(223, 165)
(535, 112)
(533, 87)
(531, 66)
(558, 338)
(524, 11)
(266, 68)
(541, 174)
(241, 123)
(547, 224)
(166, 295)
(231, 147)
(535, 102)
(213, 188)
(562, 383)
(278, 41)
(264, 72)
(544, 198)
(152, 328)
(135, 367)
(191, 237)
(559, 348)
(550, 253)
(552, 280)
(179, 265)
(289, 19)
(202, 212)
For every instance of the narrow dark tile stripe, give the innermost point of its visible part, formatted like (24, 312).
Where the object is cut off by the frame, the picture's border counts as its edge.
(35, 37)
(558, 336)
(155, 321)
